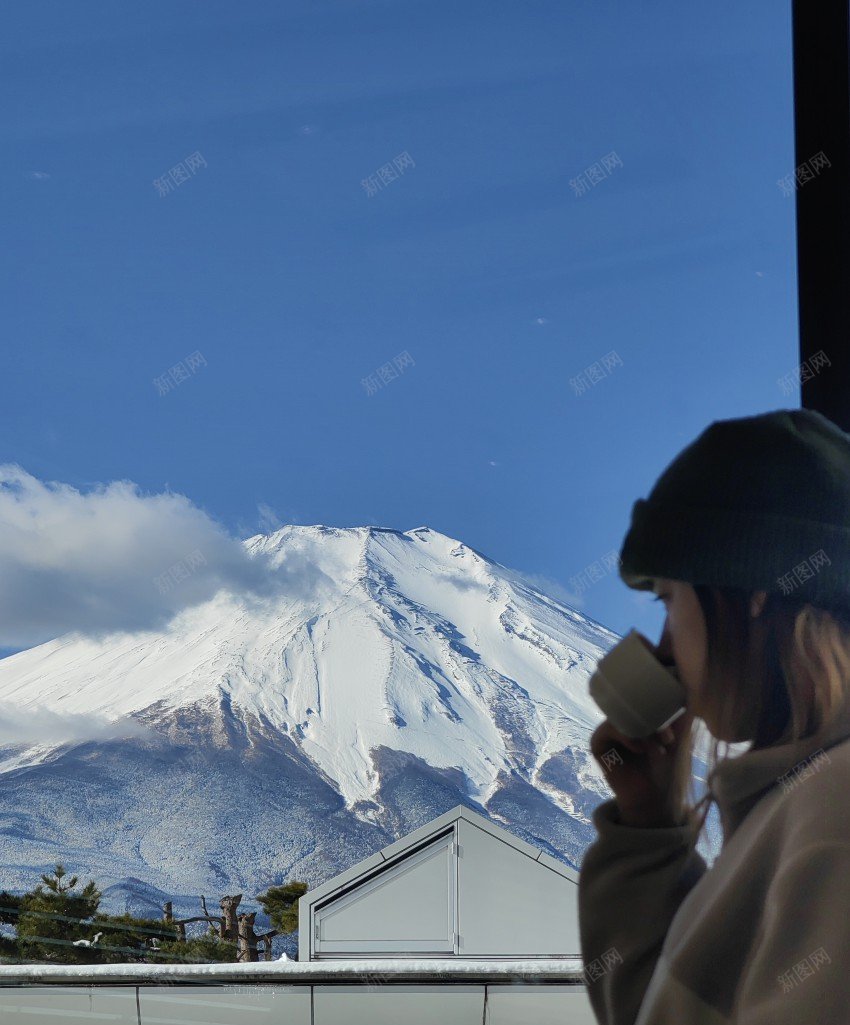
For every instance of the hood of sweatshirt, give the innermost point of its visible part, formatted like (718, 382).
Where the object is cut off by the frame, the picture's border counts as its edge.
(740, 782)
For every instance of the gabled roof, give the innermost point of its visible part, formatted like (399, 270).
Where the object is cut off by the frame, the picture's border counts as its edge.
(432, 829)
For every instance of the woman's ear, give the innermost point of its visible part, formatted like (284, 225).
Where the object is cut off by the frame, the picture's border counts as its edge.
(757, 603)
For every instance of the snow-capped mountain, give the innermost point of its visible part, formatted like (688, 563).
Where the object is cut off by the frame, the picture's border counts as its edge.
(388, 678)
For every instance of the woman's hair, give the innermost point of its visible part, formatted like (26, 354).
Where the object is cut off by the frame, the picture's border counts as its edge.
(793, 683)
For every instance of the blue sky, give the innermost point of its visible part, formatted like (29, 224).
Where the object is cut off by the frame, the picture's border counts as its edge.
(294, 283)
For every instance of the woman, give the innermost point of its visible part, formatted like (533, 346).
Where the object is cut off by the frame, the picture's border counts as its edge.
(746, 539)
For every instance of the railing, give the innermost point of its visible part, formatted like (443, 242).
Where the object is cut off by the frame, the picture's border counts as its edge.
(435, 991)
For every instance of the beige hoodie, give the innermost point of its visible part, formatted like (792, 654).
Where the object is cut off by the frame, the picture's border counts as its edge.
(760, 938)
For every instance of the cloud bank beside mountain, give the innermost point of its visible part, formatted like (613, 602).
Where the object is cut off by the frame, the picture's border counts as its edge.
(113, 558)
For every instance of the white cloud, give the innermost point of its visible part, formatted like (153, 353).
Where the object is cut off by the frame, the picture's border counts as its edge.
(113, 558)
(268, 521)
(550, 587)
(24, 726)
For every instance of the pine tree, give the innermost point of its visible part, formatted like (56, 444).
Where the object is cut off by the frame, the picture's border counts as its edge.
(204, 949)
(10, 910)
(129, 940)
(280, 903)
(60, 926)
(51, 920)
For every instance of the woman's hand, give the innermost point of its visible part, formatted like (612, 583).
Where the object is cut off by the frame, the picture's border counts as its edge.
(649, 777)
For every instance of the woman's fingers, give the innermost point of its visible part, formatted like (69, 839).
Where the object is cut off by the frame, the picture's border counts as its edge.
(645, 775)
(606, 735)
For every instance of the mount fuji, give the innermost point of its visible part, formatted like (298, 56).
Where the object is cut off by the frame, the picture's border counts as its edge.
(390, 676)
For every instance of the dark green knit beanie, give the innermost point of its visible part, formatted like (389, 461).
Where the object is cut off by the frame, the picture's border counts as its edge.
(760, 502)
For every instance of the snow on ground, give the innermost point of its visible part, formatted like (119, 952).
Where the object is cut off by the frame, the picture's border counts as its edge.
(374, 968)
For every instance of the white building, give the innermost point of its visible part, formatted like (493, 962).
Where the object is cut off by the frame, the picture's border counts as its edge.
(457, 887)
(458, 923)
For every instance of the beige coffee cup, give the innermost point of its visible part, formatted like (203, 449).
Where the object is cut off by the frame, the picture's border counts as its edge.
(636, 692)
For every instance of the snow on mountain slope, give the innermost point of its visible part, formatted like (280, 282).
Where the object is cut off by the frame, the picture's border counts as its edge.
(408, 640)
(385, 678)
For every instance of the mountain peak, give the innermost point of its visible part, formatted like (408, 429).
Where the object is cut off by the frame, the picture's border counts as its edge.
(386, 677)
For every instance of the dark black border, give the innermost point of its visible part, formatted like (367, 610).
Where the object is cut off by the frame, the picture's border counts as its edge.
(822, 125)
